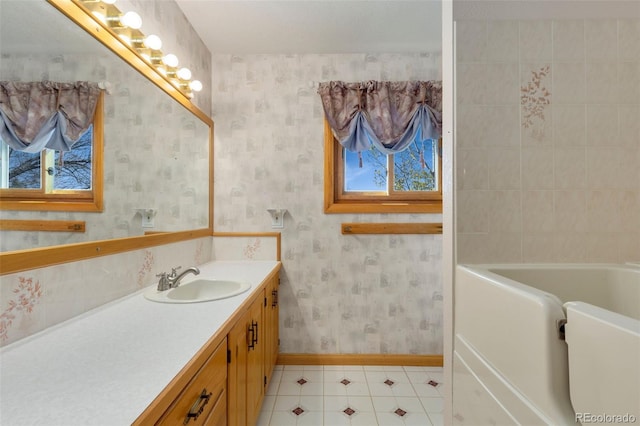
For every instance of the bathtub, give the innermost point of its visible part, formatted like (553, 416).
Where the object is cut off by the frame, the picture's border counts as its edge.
(546, 344)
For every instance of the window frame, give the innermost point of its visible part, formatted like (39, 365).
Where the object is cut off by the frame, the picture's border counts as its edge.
(337, 201)
(66, 200)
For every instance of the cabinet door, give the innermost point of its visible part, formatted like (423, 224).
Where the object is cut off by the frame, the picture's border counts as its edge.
(237, 386)
(246, 366)
(271, 325)
(255, 361)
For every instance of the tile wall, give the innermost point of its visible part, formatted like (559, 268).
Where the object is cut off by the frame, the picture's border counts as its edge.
(548, 140)
(339, 294)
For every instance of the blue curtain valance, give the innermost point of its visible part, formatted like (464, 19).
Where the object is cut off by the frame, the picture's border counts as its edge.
(387, 115)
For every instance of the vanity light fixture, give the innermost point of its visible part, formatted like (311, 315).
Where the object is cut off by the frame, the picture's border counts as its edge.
(152, 42)
(170, 60)
(128, 20)
(127, 28)
(131, 20)
(184, 74)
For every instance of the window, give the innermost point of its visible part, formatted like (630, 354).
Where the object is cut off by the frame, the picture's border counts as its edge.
(406, 182)
(49, 180)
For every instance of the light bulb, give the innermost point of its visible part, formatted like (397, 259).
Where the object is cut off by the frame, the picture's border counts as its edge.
(153, 42)
(170, 60)
(195, 85)
(184, 73)
(100, 17)
(108, 1)
(131, 20)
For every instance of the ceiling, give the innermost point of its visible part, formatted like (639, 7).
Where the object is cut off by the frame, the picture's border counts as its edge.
(311, 26)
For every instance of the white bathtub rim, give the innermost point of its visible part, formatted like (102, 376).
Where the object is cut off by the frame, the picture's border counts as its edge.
(616, 320)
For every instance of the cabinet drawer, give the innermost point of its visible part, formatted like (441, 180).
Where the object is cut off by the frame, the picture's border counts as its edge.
(204, 392)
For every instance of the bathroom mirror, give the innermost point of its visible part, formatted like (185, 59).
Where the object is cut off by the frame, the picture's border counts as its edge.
(157, 144)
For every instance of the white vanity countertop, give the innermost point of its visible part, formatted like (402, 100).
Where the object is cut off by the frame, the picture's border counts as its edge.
(106, 366)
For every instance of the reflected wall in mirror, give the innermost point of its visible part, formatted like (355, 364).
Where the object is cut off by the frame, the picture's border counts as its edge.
(156, 152)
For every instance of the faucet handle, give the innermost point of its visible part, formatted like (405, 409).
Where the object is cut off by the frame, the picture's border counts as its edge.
(173, 270)
(161, 275)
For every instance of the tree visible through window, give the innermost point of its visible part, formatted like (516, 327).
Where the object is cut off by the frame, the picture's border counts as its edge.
(373, 182)
(68, 171)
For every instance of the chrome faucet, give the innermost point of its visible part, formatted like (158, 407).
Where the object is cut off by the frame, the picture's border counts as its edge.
(172, 280)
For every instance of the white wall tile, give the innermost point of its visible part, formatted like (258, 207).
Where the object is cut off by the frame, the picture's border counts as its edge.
(570, 168)
(504, 168)
(601, 37)
(569, 125)
(568, 41)
(535, 41)
(502, 41)
(569, 83)
(602, 82)
(629, 40)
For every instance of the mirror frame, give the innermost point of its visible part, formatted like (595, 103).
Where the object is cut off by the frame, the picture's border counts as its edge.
(21, 260)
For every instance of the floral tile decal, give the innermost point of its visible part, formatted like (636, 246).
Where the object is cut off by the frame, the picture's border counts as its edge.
(145, 268)
(534, 98)
(251, 249)
(27, 295)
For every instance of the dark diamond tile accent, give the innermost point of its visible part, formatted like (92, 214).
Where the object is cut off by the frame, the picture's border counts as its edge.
(302, 381)
(349, 411)
(389, 382)
(297, 411)
(345, 382)
(433, 383)
(400, 412)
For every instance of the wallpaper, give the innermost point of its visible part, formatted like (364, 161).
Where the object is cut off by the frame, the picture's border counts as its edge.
(339, 294)
(548, 141)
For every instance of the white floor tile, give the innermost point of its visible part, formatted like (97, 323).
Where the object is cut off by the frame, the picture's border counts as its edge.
(283, 418)
(264, 418)
(311, 418)
(343, 368)
(436, 419)
(389, 419)
(362, 419)
(335, 418)
(423, 389)
(416, 419)
(432, 405)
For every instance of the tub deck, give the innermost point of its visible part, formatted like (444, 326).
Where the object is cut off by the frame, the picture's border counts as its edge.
(510, 364)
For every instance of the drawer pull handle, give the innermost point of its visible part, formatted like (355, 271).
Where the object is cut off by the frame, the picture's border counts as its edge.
(255, 334)
(198, 406)
(251, 340)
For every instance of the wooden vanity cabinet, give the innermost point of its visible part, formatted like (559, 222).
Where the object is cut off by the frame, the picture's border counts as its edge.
(227, 388)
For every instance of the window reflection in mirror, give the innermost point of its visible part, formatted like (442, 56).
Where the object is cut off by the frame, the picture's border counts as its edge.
(52, 180)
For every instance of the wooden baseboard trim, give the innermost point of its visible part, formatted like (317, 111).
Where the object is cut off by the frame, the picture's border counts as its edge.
(361, 359)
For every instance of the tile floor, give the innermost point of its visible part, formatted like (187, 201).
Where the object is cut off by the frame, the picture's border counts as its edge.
(333, 395)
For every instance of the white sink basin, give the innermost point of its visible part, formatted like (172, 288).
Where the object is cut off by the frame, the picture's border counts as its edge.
(201, 290)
